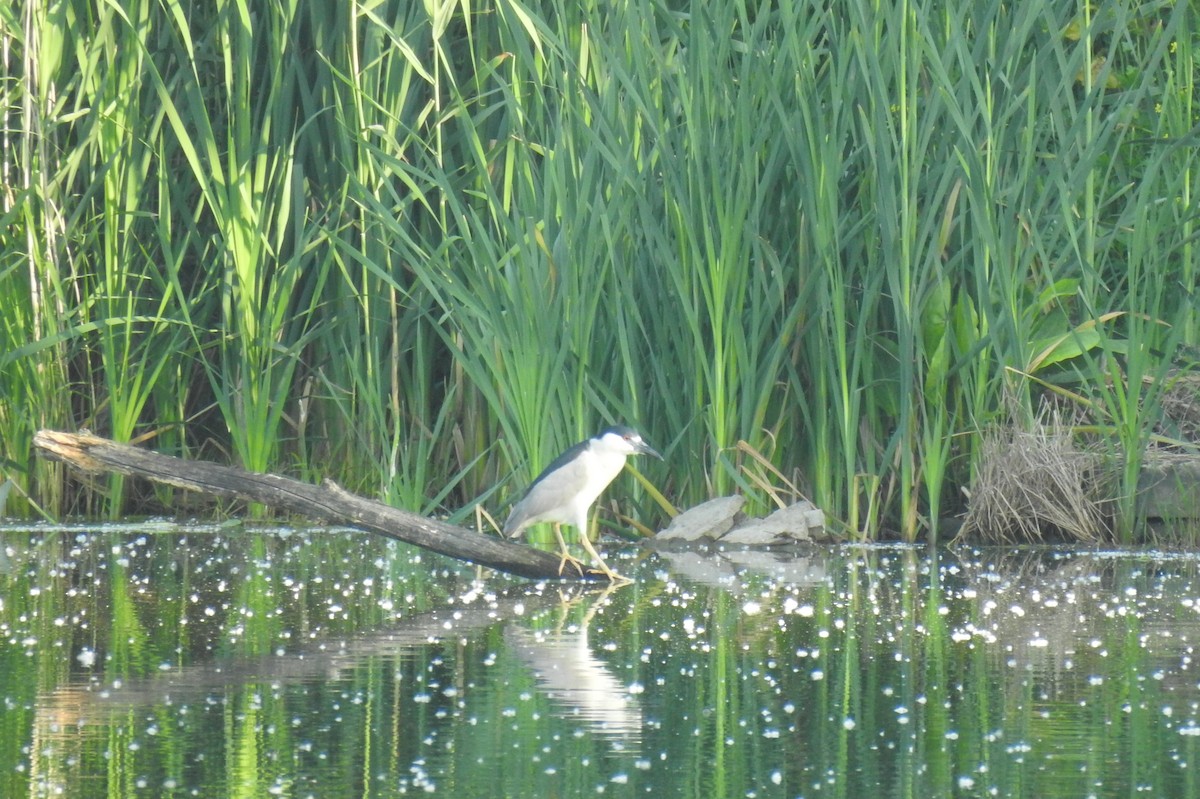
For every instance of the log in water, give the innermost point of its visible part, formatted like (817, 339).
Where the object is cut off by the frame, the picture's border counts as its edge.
(329, 503)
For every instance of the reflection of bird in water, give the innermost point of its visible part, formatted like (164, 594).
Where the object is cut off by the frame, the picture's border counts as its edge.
(572, 677)
(564, 492)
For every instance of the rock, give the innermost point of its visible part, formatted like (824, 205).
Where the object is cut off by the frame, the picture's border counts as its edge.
(754, 534)
(710, 519)
(793, 523)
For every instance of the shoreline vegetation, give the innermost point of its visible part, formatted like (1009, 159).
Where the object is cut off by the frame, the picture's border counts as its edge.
(882, 254)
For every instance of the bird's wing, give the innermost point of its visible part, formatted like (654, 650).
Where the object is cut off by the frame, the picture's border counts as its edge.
(556, 464)
(561, 481)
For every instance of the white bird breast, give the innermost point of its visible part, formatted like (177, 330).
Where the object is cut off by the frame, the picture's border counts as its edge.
(577, 484)
(599, 469)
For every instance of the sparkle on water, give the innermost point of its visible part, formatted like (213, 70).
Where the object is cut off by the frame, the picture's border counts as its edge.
(207, 661)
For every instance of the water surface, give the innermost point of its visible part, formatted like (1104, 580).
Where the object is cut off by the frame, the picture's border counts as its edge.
(209, 661)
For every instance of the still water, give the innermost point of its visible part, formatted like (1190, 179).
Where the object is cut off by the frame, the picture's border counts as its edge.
(171, 662)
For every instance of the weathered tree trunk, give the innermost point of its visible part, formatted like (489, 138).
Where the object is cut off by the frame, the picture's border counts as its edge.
(328, 503)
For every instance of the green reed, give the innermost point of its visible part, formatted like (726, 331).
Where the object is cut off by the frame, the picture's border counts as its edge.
(419, 249)
(32, 348)
(241, 147)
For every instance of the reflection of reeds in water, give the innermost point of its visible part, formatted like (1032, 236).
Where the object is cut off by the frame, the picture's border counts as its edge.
(580, 683)
(75, 705)
(1056, 611)
(66, 719)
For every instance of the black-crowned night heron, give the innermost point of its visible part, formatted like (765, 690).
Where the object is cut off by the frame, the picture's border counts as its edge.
(564, 492)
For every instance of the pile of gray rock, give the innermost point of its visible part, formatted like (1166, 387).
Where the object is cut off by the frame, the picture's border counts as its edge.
(721, 523)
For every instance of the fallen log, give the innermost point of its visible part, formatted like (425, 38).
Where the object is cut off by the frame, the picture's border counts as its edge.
(329, 503)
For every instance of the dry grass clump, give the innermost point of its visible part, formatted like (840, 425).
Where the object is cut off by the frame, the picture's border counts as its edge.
(1037, 485)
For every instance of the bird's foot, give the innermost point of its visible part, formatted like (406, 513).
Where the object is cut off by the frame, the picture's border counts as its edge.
(583, 570)
(617, 579)
(613, 577)
(567, 557)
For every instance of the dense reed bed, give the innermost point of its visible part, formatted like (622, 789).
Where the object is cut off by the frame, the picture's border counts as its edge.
(420, 247)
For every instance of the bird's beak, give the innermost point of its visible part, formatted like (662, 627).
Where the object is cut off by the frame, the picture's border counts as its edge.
(646, 449)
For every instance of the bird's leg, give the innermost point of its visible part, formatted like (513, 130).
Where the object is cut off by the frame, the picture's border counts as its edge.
(567, 557)
(591, 550)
